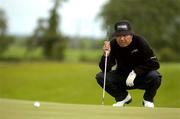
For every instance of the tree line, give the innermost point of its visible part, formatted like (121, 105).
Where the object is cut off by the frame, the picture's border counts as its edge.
(158, 21)
(46, 35)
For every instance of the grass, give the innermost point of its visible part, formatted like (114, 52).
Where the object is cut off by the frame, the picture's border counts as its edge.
(20, 109)
(71, 55)
(82, 55)
(47, 81)
(20, 52)
(75, 83)
(169, 90)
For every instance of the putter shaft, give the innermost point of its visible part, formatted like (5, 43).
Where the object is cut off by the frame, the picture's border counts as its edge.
(104, 86)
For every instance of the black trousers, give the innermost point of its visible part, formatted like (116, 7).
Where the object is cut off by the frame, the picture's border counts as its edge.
(116, 84)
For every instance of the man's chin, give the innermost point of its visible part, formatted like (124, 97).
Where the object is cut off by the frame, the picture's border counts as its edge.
(123, 45)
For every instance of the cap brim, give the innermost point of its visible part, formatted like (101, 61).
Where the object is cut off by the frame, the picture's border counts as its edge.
(122, 33)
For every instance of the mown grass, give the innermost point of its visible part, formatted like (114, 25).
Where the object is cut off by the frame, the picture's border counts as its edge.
(20, 109)
(48, 81)
(169, 90)
(69, 82)
(71, 55)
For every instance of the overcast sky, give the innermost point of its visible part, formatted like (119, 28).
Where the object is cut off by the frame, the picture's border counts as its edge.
(78, 17)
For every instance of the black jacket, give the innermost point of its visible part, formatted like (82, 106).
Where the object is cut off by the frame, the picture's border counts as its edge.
(138, 56)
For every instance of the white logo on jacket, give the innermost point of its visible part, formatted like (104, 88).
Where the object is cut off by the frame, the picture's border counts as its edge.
(133, 51)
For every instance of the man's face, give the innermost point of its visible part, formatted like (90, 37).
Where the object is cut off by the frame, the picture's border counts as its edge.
(124, 40)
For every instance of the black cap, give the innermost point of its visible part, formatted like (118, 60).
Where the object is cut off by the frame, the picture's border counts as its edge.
(123, 28)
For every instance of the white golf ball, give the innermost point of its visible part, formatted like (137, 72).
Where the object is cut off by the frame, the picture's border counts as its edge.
(37, 104)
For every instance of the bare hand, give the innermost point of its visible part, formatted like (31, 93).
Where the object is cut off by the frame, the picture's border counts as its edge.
(106, 47)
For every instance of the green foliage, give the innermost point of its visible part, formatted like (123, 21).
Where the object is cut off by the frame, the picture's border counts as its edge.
(18, 52)
(167, 54)
(75, 83)
(59, 49)
(3, 23)
(156, 20)
(5, 40)
(48, 37)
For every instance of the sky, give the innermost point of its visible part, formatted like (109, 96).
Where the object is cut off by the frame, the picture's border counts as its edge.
(78, 17)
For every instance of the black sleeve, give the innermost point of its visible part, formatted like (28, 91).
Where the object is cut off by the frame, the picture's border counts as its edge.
(150, 61)
(110, 60)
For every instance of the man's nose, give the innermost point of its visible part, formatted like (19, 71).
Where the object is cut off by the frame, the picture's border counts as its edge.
(122, 38)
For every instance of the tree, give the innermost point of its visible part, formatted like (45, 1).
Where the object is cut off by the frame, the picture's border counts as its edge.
(48, 37)
(3, 25)
(51, 35)
(156, 20)
(5, 41)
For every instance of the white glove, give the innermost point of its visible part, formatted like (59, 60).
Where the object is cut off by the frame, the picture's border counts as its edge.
(130, 79)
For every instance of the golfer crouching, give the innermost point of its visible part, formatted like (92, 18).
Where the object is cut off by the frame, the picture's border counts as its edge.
(136, 66)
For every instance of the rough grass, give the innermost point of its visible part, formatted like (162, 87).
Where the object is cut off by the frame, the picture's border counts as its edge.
(20, 109)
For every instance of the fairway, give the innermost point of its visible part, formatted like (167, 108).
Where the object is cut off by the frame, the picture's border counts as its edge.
(20, 109)
(75, 83)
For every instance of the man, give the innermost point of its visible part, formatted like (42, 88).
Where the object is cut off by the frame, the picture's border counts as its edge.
(136, 66)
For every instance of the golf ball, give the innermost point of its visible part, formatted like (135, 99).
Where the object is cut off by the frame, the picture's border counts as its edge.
(37, 104)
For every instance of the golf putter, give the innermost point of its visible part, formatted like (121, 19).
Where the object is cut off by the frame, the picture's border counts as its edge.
(105, 67)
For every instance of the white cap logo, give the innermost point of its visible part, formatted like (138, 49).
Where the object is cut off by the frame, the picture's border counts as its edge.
(124, 27)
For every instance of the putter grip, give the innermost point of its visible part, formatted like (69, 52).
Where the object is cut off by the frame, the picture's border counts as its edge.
(106, 53)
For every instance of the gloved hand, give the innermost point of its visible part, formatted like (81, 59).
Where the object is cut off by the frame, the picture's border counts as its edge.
(130, 79)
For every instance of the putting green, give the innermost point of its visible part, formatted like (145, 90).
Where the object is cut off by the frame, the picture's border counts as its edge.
(20, 109)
